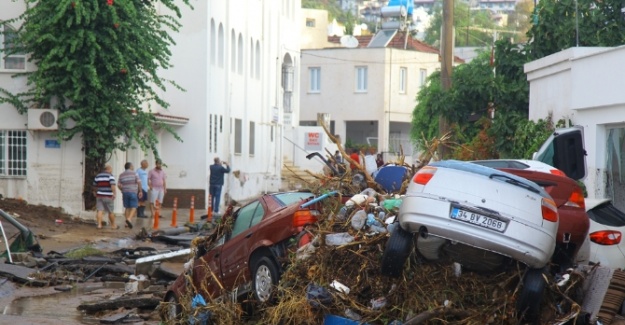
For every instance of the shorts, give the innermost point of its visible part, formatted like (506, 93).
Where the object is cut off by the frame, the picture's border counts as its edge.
(157, 194)
(130, 199)
(106, 204)
(143, 197)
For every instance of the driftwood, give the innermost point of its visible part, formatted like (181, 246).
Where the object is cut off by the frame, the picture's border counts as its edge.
(427, 315)
(126, 302)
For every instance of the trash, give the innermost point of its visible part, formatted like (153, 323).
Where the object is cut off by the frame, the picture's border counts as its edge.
(305, 251)
(359, 219)
(340, 287)
(317, 295)
(352, 315)
(457, 269)
(202, 317)
(338, 320)
(389, 204)
(339, 239)
(342, 215)
(58, 222)
(378, 303)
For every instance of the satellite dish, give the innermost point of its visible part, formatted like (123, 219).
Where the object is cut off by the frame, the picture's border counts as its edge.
(349, 41)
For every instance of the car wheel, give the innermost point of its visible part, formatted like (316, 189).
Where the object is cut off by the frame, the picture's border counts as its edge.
(171, 310)
(530, 297)
(265, 278)
(396, 252)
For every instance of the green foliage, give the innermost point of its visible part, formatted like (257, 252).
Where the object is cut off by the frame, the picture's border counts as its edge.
(98, 63)
(600, 23)
(467, 23)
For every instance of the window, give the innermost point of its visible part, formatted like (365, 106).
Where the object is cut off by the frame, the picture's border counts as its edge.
(213, 42)
(361, 79)
(233, 51)
(315, 79)
(423, 74)
(221, 46)
(15, 61)
(251, 58)
(238, 130)
(310, 22)
(403, 73)
(252, 137)
(244, 218)
(257, 56)
(13, 153)
(240, 55)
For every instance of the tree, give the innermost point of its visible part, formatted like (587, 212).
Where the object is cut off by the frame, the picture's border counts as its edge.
(567, 23)
(469, 25)
(520, 19)
(98, 62)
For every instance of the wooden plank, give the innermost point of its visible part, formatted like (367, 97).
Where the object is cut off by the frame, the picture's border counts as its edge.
(124, 302)
(20, 274)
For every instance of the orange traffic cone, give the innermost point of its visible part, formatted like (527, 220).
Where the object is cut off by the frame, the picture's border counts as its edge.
(209, 213)
(174, 214)
(156, 216)
(192, 210)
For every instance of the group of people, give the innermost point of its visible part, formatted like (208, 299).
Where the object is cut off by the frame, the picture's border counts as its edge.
(142, 186)
(137, 188)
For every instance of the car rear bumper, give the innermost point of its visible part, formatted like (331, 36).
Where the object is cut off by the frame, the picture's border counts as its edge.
(527, 243)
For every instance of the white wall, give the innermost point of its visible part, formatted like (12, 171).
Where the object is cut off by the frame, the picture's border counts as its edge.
(582, 85)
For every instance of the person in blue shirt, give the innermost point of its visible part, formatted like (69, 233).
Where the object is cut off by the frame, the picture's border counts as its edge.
(216, 182)
(143, 177)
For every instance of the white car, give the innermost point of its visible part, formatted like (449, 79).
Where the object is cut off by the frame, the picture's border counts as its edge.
(477, 214)
(607, 226)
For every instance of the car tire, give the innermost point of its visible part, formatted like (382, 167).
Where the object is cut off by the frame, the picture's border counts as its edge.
(264, 278)
(396, 252)
(171, 310)
(531, 294)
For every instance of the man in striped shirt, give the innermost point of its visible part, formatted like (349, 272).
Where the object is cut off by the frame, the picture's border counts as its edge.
(130, 185)
(105, 189)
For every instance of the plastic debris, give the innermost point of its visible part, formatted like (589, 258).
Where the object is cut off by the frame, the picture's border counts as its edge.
(338, 286)
(378, 303)
(317, 295)
(359, 219)
(339, 239)
(352, 315)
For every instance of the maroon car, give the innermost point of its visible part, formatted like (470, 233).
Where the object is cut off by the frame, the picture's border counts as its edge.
(249, 259)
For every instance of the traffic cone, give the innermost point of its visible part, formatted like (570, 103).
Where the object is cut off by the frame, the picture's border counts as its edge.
(209, 213)
(156, 216)
(192, 210)
(174, 214)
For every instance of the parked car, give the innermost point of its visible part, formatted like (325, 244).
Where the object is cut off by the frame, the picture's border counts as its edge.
(481, 216)
(249, 259)
(566, 193)
(607, 226)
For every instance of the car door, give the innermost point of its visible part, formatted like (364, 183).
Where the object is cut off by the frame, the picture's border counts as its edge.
(235, 252)
(207, 272)
(564, 149)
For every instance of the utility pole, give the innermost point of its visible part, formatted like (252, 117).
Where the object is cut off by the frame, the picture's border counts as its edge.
(447, 56)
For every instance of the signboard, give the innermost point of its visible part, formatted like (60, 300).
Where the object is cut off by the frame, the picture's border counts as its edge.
(313, 141)
(275, 114)
(55, 144)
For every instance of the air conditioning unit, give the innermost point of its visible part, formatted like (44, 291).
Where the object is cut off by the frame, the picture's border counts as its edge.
(43, 119)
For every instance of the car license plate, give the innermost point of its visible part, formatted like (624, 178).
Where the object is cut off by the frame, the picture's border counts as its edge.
(478, 219)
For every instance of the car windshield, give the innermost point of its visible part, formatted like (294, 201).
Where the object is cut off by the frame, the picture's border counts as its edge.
(501, 164)
(608, 215)
(289, 198)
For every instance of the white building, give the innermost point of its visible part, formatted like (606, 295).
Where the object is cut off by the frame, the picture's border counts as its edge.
(239, 63)
(583, 86)
(369, 92)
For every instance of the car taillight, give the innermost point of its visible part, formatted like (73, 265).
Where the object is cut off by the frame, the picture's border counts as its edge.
(606, 237)
(557, 172)
(424, 175)
(549, 210)
(304, 217)
(576, 199)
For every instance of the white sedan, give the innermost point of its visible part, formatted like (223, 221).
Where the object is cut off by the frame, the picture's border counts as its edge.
(607, 226)
(473, 212)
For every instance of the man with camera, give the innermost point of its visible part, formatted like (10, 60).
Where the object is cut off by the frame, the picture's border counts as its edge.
(216, 182)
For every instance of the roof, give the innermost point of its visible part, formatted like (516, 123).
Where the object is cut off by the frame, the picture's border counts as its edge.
(396, 42)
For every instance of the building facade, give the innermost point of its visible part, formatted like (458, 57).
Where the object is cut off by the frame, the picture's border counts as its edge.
(239, 66)
(582, 86)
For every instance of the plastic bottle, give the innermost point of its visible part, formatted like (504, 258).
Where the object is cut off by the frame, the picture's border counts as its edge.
(359, 219)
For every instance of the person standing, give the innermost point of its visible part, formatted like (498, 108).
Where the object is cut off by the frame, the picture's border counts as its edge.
(130, 185)
(143, 177)
(157, 185)
(216, 182)
(105, 189)
(355, 156)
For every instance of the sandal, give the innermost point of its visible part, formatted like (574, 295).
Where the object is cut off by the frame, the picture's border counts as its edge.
(115, 227)
(129, 224)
